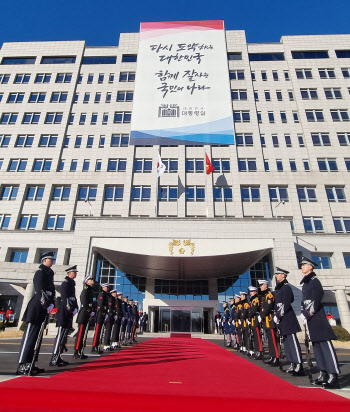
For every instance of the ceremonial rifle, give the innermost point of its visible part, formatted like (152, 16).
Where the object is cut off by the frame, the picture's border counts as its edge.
(38, 342)
(308, 353)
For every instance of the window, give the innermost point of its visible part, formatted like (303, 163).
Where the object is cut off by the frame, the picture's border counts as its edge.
(314, 115)
(279, 165)
(340, 115)
(100, 79)
(119, 140)
(111, 78)
(239, 94)
(28, 222)
(35, 193)
(221, 165)
(306, 165)
(310, 55)
(78, 140)
(250, 193)
(125, 96)
(43, 78)
(241, 116)
(313, 224)
(4, 78)
(142, 165)
(236, 74)
(262, 141)
(99, 60)
(87, 193)
(17, 165)
(63, 77)
(102, 141)
(86, 165)
(122, 117)
(222, 194)
(263, 76)
(347, 164)
(265, 57)
(19, 255)
(344, 139)
(326, 73)
(98, 165)
(37, 98)
(71, 118)
(108, 97)
(8, 118)
(127, 77)
(59, 97)
(275, 75)
(341, 54)
(267, 95)
(234, 56)
(279, 95)
(90, 141)
(293, 165)
(61, 193)
(47, 140)
(42, 165)
(266, 165)
(116, 165)
(278, 194)
(256, 95)
(61, 165)
(286, 75)
(167, 193)
(301, 141)
(195, 193)
(55, 222)
(303, 73)
(141, 193)
(323, 261)
(275, 141)
(320, 139)
(97, 97)
(290, 95)
(247, 165)
(8, 192)
(73, 165)
(194, 165)
(283, 117)
(31, 118)
(258, 114)
(306, 194)
(171, 165)
(129, 58)
(82, 118)
(53, 118)
(309, 94)
(15, 98)
(335, 194)
(1, 96)
(347, 260)
(244, 140)
(93, 118)
(327, 165)
(271, 117)
(253, 75)
(86, 98)
(114, 193)
(22, 79)
(345, 71)
(288, 140)
(5, 140)
(105, 118)
(58, 60)
(333, 93)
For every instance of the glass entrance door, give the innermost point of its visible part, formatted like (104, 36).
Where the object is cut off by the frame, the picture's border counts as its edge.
(181, 319)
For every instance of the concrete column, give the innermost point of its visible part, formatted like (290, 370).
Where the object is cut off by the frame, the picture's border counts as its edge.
(27, 296)
(343, 307)
(149, 288)
(213, 289)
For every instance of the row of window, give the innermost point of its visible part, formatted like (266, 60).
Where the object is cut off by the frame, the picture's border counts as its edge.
(299, 55)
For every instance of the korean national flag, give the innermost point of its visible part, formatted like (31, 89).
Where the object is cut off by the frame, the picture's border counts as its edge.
(160, 166)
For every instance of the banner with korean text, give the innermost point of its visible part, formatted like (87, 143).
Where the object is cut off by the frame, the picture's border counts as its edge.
(182, 91)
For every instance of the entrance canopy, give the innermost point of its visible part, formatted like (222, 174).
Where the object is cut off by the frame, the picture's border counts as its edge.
(182, 258)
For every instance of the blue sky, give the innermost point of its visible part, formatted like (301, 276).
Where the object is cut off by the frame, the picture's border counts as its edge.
(100, 22)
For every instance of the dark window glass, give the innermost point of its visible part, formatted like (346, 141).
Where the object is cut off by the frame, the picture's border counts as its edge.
(341, 54)
(234, 56)
(310, 54)
(18, 60)
(100, 60)
(129, 58)
(265, 57)
(58, 60)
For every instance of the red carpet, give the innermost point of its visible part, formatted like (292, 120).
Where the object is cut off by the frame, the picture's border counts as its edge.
(162, 375)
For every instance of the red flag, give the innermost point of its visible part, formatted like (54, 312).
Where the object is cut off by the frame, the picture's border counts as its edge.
(209, 166)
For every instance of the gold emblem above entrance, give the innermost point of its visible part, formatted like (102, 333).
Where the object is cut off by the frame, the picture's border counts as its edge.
(189, 247)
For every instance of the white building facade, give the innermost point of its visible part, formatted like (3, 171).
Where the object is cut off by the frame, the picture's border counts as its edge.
(182, 243)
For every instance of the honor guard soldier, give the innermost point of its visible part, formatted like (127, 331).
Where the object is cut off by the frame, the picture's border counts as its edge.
(109, 321)
(254, 323)
(102, 303)
(68, 308)
(287, 322)
(36, 314)
(238, 321)
(130, 321)
(321, 333)
(84, 315)
(135, 321)
(266, 315)
(117, 321)
(124, 320)
(226, 320)
(245, 324)
(232, 322)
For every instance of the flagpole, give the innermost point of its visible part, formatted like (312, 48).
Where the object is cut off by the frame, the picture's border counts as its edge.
(206, 183)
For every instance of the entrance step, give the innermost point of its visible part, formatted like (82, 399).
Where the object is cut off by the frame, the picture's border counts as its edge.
(180, 335)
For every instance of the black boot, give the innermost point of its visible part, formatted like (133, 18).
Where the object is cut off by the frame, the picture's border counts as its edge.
(291, 368)
(332, 382)
(258, 356)
(37, 370)
(76, 355)
(269, 361)
(298, 370)
(275, 362)
(322, 378)
(23, 369)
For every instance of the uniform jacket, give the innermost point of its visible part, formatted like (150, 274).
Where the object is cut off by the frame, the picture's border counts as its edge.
(227, 314)
(102, 303)
(135, 313)
(253, 310)
(266, 309)
(44, 295)
(125, 309)
(233, 311)
(284, 311)
(86, 301)
(68, 303)
(311, 307)
(244, 313)
(239, 307)
(110, 309)
(129, 311)
(118, 307)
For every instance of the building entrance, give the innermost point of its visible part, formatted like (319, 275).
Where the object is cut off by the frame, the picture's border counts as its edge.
(181, 319)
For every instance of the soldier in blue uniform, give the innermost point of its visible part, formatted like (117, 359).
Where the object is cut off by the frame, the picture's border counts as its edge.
(254, 323)
(102, 304)
(232, 322)
(84, 315)
(130, 322)
(267, 304)
(124, 320)
(68, 308)
(321, 333)
(117, 321)
(226, 320)
(135, 321)
(109, 320)
(36, 312)
(287, 322)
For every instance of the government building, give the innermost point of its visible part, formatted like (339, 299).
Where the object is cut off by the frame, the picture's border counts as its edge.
(79, 159)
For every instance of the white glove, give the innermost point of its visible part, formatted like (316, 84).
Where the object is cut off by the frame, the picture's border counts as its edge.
(276, 320)
(75, 311)
(92, 314)
(259, 319)
(49, 309)
(303, 318)
(248, 322)
(115, 317)
(240, 322)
